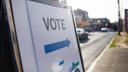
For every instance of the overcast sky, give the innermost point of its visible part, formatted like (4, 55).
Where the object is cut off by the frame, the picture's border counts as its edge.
(99, 8)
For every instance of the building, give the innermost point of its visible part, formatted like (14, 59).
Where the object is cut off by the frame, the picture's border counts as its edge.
(97, 23)
(82, 19)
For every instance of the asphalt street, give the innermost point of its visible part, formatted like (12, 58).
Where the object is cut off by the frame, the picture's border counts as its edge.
(92, 49)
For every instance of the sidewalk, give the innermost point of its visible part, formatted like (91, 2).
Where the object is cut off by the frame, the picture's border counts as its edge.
(113, 60)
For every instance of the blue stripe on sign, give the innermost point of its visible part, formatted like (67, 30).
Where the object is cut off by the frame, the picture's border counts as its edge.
(55, 46)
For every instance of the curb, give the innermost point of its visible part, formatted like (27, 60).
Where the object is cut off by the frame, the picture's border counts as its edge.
(97, 59)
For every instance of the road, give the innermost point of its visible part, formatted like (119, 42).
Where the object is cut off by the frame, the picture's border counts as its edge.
(92, 49)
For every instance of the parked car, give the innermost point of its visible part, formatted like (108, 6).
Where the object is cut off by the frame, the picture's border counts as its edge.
(82, 34)
(88, 29)
(104, 29)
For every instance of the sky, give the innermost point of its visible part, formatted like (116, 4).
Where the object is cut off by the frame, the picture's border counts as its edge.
(100, 8)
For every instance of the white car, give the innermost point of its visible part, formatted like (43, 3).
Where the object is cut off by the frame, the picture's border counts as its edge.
(104, 29)
(82, 35)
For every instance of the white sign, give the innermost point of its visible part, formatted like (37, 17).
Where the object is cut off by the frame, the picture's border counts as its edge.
(54, 38)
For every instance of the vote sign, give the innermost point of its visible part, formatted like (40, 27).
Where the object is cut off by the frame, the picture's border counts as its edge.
(54, 38)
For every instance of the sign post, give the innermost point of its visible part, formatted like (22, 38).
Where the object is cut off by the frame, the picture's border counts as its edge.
(46, 37)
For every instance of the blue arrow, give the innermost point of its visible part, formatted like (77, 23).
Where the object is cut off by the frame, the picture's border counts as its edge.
(55, 46)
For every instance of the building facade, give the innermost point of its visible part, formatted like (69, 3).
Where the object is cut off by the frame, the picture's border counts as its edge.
(82, 19)
(97, 23)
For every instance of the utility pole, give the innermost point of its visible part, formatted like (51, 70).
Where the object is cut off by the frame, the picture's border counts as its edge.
(119, 18)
